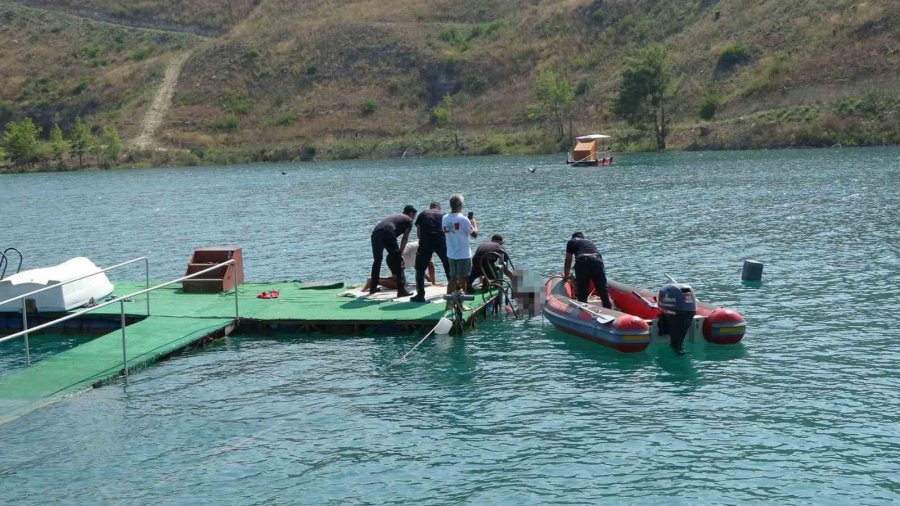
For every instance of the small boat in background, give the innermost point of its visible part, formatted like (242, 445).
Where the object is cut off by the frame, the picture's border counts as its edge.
(591, 150)
(641, 317)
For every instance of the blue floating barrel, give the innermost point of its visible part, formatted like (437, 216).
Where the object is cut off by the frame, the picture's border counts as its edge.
(752, 271)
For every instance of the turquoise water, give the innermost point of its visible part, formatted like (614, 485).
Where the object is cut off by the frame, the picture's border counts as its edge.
(805, 411)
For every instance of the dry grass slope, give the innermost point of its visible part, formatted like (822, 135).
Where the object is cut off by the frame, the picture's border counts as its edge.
(58, 67)
(360, 78)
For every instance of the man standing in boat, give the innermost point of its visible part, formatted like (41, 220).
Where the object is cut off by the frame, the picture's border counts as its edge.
(431, 241)
(457, 230)
(588, 267)
(384, 238)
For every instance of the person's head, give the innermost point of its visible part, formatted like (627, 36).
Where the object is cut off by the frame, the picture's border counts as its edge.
(577, 235)
(409, 211)
(456, 203)
(435, 205)
(497, 238)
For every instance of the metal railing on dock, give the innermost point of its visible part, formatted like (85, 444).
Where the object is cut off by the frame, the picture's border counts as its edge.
(121, 300)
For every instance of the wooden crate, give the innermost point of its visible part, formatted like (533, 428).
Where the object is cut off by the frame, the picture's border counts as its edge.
(222, 279)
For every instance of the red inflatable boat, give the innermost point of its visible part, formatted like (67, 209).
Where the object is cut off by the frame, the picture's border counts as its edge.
(641, 316)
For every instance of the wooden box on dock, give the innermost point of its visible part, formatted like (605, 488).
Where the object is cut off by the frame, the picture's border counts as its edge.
(223, 279)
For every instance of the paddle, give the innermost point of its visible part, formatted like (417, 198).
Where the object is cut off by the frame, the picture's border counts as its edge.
(601, 318)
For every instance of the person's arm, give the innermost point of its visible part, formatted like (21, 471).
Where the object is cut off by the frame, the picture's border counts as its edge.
(567, 266)
(474, 227)
(404, 240)
(506, 263)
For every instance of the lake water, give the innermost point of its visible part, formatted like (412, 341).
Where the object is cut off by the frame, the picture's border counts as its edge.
(805, 411)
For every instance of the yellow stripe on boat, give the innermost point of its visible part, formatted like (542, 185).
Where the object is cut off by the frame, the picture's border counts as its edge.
(636, 337)
(730, 330)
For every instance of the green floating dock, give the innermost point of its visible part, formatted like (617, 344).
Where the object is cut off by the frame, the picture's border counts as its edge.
(178, 320)
(100, 360)
(296, 303)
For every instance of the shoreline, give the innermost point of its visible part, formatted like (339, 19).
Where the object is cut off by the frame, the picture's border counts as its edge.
(237, 160)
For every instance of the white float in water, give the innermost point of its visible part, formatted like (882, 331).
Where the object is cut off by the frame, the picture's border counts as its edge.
(443, 326)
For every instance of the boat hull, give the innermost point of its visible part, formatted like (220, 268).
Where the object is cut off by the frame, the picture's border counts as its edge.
(713, 324)
(62, 297)
(593, 322)
(600, 162)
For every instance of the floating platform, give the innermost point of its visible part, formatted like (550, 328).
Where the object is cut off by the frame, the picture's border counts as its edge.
(180, 320)
(99, 361)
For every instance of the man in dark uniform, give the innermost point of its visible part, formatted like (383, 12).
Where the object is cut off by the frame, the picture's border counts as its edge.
(431, 241)
(588, 267)
(384, 237)
(486, 254)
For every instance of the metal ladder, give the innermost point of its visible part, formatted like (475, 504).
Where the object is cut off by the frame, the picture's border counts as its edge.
(4, 261)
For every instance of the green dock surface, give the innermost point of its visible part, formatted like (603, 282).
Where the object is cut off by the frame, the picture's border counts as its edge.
(179, 319)
(296, 302)
(100, 360)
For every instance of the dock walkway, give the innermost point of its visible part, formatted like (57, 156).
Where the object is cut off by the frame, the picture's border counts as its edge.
(178, 320)
(99, 361)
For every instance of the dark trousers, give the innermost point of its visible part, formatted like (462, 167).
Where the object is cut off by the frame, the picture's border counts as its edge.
(423, 256)
(382, 242)
(587, 269)
(482, 266)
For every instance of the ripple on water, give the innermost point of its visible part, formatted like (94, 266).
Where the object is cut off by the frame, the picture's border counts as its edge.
(805, 411)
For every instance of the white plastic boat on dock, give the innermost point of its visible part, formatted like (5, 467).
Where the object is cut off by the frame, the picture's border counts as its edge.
(64, 297)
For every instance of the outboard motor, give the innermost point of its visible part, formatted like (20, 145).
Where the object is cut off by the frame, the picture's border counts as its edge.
(677, 308)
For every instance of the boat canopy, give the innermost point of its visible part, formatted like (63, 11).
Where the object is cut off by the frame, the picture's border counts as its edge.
(584, 150)
(592, 137)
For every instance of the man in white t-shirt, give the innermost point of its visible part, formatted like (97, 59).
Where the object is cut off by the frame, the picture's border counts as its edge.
(458, 229)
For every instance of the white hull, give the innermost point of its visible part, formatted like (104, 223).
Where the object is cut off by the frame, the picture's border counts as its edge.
(60, 298)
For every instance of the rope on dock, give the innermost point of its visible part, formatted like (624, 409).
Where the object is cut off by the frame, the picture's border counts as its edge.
(403, 359)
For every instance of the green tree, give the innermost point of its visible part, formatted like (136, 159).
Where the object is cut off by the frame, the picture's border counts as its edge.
(2, 154)
(81, 141)
(21, 140)
(113, 144)
(646, 83)
(58, 145)
(554, 99)
(709, 106)
(442, 114)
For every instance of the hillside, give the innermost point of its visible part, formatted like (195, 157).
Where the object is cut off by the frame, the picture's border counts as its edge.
(58, 67)
(280, 79)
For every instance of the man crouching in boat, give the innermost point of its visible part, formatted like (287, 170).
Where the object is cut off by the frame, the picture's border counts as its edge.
(588, 267)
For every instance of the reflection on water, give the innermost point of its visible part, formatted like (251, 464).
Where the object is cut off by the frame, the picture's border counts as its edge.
(515, 411)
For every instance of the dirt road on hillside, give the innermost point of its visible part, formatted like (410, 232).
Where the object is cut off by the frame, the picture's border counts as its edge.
(161, 102)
